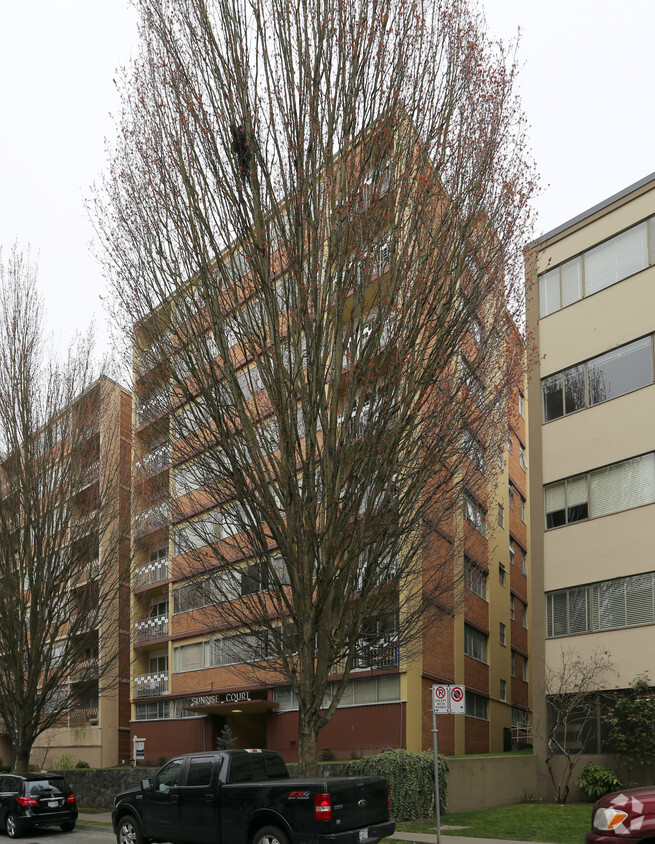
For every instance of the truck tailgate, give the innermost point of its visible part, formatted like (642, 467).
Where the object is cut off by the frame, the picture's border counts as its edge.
(357, 802)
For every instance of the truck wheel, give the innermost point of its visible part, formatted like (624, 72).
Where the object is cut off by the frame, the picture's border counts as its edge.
(128, 831)
(270, 835)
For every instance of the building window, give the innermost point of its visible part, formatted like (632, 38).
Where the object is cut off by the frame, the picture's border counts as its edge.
(598, 380)
(524, 562)
(503, 690)
(607, 605)
(521, 405)
(477, 706)
(472, 382)
(475, 578)
(502, 571)
(475, 643)
(511, 495)
(525, 669)
(473, 450)
(512, 551)
(509, 444)
(512, 607)
(474, 513)
(524, 615)
(522, 460)
(501, 515)
(513, 664)
(523, 517)
(502, 634)
(597, 268)
(499, 458)
(602, 492)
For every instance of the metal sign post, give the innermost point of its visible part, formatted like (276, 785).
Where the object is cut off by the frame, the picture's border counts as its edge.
(445, 700)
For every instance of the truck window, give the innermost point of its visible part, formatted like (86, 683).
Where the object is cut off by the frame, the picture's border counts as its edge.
(258, 767)
(200, 770)
(169, 775)
(275, 767)
(240, 770)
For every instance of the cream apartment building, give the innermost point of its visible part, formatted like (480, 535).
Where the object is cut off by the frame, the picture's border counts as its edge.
(591, 320)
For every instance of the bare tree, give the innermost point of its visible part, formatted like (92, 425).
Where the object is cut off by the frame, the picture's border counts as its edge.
(312, 216)
(59, 521)
(571, 686)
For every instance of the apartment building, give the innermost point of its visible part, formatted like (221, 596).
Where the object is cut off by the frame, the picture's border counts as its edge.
(591, 317)
(94, 727)
(188, 678)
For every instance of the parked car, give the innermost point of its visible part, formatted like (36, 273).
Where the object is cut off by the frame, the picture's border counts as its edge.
(30, 801)
(247, 797)
(623, 816)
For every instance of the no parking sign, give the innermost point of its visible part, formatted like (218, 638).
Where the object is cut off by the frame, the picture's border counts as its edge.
(448, 699)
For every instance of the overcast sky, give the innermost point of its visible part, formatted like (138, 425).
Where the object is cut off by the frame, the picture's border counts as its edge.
(586, 70)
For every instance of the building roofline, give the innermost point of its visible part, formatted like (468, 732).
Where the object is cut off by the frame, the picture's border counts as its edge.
(593, 210)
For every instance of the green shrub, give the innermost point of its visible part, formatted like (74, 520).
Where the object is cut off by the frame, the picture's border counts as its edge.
(410, 777)
(160, 761)
(4, 769)
(64, 763)
(82, 764)
(597, 780)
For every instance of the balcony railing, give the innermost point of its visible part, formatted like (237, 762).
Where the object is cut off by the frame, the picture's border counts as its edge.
(151, 628)
(148, 685)
(152, 462)
(84, 524)
(151, 573)
(85, 670)
(83, 716)
(155, 405)
(155, 516)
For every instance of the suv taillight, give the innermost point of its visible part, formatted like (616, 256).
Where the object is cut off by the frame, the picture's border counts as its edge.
(27, 801)
(323, 807)
(71, 798)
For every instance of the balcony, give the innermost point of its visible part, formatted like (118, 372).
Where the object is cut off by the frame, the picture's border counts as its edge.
(85, 671)
(154, 461)
(149, 685)
(152, 407)
(83, 716)
(84, 524)
(151, 573)
(154, 627)
(155, 516)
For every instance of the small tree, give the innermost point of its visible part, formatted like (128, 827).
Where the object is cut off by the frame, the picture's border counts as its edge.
(630, 725)
(570, 686)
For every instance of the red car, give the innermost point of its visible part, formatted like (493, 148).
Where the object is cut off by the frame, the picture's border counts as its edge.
(624, 816)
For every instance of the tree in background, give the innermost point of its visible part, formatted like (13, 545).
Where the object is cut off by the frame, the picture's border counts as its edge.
(629, 723)
(56, 588)
(571, 687)
(313, 215)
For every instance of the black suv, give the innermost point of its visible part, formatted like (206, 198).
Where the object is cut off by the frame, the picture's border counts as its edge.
(28, 801)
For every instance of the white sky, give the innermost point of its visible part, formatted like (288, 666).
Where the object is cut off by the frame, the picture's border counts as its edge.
(586, 70)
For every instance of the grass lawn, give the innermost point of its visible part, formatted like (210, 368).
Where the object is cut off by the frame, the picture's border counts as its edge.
(547, 823)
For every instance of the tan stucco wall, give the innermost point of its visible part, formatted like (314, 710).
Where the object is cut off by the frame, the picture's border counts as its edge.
(481, 782)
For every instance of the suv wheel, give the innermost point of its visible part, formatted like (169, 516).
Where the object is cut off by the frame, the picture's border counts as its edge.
(11, 826)
(128, 831)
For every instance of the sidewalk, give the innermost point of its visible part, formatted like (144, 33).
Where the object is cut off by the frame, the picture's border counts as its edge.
(98, 817)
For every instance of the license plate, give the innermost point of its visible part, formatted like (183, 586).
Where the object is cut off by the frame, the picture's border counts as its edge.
(363, 834)
(52, 804)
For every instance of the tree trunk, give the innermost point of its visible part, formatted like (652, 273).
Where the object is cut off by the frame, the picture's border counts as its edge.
(307, 741)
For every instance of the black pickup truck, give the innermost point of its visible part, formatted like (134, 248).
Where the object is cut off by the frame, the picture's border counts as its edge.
(246, 797)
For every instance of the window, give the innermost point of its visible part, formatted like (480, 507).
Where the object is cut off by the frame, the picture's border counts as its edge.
(191, 657)
(524, 615)
(503, 690)
(475, 643)
(521, 405)
(477, 706)
(524, 562)
(513, 664)
(502, 571)
(523, 462)
(501, 515)
(607, 605)
(200, 771)
(502, 634)
(512, 552)
(474, 513)
(475, 578)
(510, 495)
(523, 516)
(525, 669)
(512, 607)
(509, 443)
(473, 450)
(598, 380)
(472, 382)
(601, 492)
(615, 259)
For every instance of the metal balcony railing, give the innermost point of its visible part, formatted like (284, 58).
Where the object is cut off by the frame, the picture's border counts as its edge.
(158, 514)
(151, 573)
(151, 628)
(85, 671)
(148, 685)
(83, 716)
(152, 462)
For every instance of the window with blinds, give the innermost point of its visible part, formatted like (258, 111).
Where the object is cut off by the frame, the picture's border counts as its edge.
(602, 492)
(597, 268)
(598, 380)
(624, 602)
